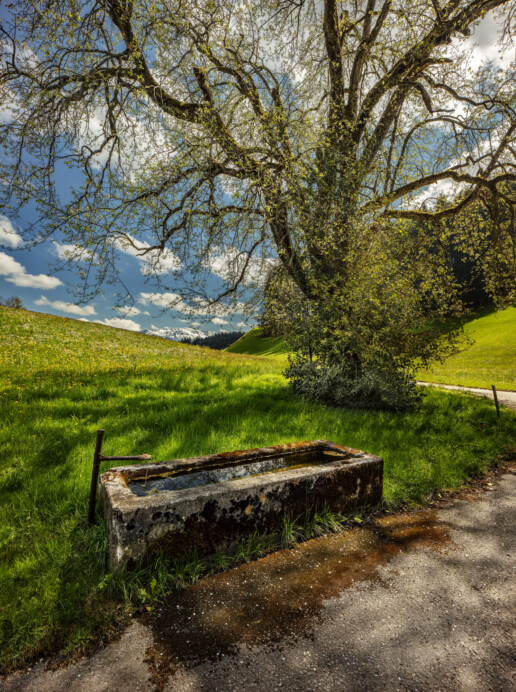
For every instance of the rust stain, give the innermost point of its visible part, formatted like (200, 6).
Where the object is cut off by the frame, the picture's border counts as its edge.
(283, 593)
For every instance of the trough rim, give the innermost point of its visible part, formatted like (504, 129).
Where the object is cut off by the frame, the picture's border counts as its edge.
(114, 482)
(163, 469)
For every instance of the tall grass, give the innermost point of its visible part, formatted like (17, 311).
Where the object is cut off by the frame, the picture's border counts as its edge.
(61, 379)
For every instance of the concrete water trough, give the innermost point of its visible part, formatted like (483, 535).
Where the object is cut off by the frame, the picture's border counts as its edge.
(207, 502)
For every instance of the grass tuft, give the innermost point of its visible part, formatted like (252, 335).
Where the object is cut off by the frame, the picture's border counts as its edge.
(291, 530)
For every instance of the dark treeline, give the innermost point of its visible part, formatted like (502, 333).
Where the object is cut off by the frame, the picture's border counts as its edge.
(216, 341)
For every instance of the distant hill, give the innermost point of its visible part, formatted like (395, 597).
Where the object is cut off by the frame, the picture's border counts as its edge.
(217, 341)
(195, 337)
(253, 343)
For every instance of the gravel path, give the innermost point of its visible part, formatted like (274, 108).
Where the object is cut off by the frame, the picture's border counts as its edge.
(436, 615)
(505, 398)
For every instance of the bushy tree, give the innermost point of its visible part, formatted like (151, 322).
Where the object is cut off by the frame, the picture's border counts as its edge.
(12, 302)
(358, 345)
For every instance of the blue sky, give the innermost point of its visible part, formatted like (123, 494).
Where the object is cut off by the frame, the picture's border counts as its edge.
(30, 274)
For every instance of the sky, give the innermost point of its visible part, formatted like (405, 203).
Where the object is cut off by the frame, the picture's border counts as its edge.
(29, 273)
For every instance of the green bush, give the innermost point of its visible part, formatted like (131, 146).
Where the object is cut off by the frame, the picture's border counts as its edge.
(385, 388)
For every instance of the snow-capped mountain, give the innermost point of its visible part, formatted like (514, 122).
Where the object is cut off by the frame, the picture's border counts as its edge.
(177, 333)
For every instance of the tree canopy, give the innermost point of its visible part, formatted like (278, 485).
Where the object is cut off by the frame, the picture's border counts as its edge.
(223, 134)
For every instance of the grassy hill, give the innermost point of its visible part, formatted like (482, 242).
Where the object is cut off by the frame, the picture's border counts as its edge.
(61, 380)
(253, 343)
(487, 357)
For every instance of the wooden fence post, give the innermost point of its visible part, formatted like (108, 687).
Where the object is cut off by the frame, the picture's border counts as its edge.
(95, 476)
(495, 395)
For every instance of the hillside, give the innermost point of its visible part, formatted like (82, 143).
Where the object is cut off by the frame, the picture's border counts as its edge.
(253, 343)
(489, 358)
(62, 379)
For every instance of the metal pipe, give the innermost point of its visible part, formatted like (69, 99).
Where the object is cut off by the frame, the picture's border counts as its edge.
(140, 457)
(95, 476)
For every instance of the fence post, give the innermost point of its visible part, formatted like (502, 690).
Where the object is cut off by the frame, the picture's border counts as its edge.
(495, 395)
(95, 476)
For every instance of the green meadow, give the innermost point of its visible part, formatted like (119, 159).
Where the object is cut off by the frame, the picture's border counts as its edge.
(61, 380)
(253, 343)
(487, 356)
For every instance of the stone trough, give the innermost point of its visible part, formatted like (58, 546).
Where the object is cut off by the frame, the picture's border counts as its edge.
(208, 502)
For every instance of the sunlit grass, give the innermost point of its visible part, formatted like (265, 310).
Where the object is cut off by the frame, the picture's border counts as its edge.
(61, 380)
(253, 343)
(489, 359)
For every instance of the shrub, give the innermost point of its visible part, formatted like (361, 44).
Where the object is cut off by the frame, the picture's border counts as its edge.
(12, 302)
(371, 387)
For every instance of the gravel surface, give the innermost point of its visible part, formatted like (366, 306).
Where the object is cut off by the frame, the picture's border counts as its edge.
(432, 617)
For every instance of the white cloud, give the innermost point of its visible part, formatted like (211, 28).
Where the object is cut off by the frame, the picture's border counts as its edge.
(8, 236)
(9, 266)
(34, 281)
(243, 325)
(218, 320)
(8, 107)
(483, 45)
(200, 306)
(121, 323)
(72, 252)
(70, 308)
(168, 301)
(230, 263)
(16, 274)
(129, 311)
(173, 301)
(152, 262)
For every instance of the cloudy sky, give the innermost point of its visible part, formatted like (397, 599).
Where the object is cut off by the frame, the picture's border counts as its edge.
(28, 273)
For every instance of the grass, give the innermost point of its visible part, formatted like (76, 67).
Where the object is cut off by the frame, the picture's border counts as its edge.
(62, 379)
(254, 344)
(487, 357)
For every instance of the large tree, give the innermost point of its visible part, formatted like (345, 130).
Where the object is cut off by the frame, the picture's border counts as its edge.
(225, 134)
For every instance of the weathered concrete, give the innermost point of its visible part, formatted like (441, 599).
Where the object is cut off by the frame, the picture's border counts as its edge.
(209, 515)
